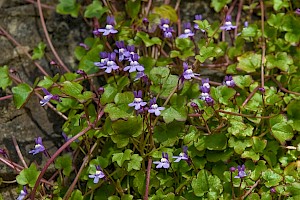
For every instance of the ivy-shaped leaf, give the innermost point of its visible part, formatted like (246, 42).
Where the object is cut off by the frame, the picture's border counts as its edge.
(95, 9)
(68, 7)
(5, 80)
(38, 52)
(28, 176)
(21, 94)
(120, 158)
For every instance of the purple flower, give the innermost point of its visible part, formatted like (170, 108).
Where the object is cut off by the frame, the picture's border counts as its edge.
(122, 51)
(232, 169)
(273, 190)
(103, 60)
(48, 96)
(108, 63)
(154, 108)
(297, 11)
(229, 81)
(84, 46)
(39, 147)
(145, 21)
(187, 31)
(169, 33)
(205, 92)
(3, 153)
(134, 64)
(241, 172)
(22, 194)
(164, 24)
(262, 90)
(188, 73)
(205, 82)
(109, 28)
(138, 101)
(166, 29)
(209, 101)
(164, 161)
(81, 72)
(141, 75)
(183, 155)
(98, 175)
(228, 25)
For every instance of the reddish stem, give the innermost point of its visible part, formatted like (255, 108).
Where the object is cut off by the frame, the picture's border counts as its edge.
(9, 37)
(57, 153)
(148, 179)
(48, 38)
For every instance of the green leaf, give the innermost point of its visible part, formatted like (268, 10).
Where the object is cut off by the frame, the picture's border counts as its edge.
(123, 130)
(271, 178)
(68, 7)
(250, 31)
(95, 9)
(259, 144)
(127, 197)
(166, 12)
(216, 141)
(124, 98)
(280, 60)
(120, 158)
(293, 112)
(87, 61)
(240, 129)
(183, 43)
(135, 162)
(148, 63)
(116, 112)
(38, 52)
(72, 89)
(76, 195)
(239, 146)
(249, 62)
(132, 127)
(177, 110)
(46, 83)
(139, 182)
(5, 80)
(282, 132)
(222, 94)
(243, 81)
(259, 168)
(147, 41)
(21, 94)
(291, 25)
(113, 198)
(278, 4)
(215, 156)
(28, 176)
(167, 134)
(68, 103)
(276, 20)
(200, 184)
(250, 154)
(159, 75)
(203, 24)
(219, 4)
(102, 162)
(133, 8)
(64, 163)
(109, 94)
